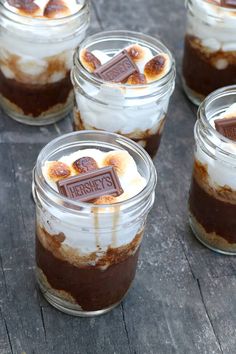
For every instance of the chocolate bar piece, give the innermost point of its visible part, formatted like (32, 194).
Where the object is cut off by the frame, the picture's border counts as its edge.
(228, 3)
(91, 185)
(118, 69)
(226, 127)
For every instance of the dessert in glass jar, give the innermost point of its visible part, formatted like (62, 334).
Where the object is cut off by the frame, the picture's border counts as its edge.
(93, 191)
(37, 40)
(209, 60)
(123, 82)
(212, 201)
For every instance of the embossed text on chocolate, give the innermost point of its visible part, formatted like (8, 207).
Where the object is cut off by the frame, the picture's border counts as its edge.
(118, 69)
(91, 185)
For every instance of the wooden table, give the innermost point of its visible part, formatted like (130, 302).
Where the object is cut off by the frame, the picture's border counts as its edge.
(183, 298)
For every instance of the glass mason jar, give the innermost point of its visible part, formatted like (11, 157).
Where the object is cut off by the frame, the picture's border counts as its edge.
(87, 254)
(212, 202)
(36, 56)
(134, 111)
(209, 60)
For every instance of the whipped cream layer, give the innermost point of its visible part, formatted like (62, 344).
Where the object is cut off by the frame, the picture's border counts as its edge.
(112, 115)
(222, 167)
(43, 52)
(213, 25)
(126, 109)
(102, 227)
(30, 70)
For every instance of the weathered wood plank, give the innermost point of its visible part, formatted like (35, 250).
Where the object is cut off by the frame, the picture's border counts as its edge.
(65, 334)
(161, 251)
(219, 299)
(16, 203)
(25, 156)
(168, 316)
(5, 347)
(12, 225)
(20, 308)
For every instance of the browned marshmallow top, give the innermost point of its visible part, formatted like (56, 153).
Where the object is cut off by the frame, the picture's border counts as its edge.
(83, 161)
(49, 9)
(134, 65)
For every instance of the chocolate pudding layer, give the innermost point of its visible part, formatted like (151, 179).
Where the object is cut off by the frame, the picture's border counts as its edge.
(74, 279)
(35, 100)
(220, 220)
(213, 210)
(150, 143)
(149, 140)
(203, 70)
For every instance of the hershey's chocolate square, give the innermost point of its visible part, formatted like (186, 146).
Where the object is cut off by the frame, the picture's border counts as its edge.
(118, 69)
(228, 3)
(226, 127)
(91, 185)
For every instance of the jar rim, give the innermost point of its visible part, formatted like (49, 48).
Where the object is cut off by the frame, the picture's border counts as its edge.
(132, 35)
(40, 22)
(71, 205)
(204, 121)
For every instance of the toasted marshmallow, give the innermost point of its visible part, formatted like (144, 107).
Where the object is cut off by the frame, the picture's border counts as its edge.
(84, 164)
(140, 55)
(102, 57)
(25, 8)
(89, 60)
(135, 184)
(137, 79)
(56, 170)
(157, 67)
(96, 155)
(44, 8)
(56, 8)
(122, 162)
(106, 199)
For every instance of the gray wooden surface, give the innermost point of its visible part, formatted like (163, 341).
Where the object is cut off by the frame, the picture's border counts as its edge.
(183, 298)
